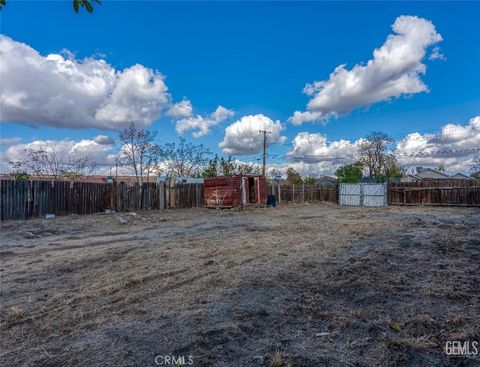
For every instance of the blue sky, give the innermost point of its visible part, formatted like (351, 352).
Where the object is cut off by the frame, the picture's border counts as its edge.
(255, 58)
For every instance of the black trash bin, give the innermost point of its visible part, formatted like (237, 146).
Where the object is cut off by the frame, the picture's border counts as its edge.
(272, 200)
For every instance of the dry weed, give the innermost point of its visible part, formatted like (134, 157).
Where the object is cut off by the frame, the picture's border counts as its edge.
(132, 298)
(135, 279)
(278, 359)
(17, 313)
(406, 342)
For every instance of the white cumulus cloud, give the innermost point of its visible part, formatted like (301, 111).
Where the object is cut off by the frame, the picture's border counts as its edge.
(62, 91)
(322, 168)
(99, 149)
(181, 109)
(394, 71)
(455, 146)
(314, 147)
(243, 136)
(201, 124)
(312, 153)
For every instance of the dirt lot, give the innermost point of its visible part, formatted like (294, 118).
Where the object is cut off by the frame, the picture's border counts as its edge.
(312, 285)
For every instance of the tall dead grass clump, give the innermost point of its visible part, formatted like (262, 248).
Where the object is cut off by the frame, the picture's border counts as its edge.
(17, 313)
(135, 279)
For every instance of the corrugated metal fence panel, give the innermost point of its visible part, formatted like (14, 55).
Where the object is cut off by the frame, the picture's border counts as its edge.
(374, 195)
(350, 194)
(363, 194)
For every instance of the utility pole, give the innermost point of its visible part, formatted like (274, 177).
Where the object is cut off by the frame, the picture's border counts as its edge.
(264, 132)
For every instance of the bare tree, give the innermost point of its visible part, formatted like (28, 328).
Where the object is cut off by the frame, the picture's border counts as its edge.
(373, 151)
(46, 161)
(185, 159)
(152, 161)
(137, 151)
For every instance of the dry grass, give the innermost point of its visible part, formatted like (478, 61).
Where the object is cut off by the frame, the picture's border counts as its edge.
(379, 286)
(17, 313)
(280, 358)
(135, 279)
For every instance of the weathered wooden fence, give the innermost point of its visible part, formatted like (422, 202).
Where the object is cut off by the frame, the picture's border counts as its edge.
(439, 193)
(28, 199)
(302, 193)
(435, 193)
(188, 195)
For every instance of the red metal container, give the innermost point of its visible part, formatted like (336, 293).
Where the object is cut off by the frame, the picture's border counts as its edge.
(230, 191)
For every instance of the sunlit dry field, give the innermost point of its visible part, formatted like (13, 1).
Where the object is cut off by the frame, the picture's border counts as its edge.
(306, 285)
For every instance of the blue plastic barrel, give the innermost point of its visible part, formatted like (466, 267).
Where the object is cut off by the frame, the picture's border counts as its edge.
(272, 200)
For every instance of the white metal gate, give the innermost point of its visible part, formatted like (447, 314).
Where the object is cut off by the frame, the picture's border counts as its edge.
(363, 194)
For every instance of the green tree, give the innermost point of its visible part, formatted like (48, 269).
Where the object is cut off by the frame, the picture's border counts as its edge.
(18, 171)
(310, 179)
(248, 168)
(441, 168)
(211, 170)
(350, 173)
(228, 166)
(476, 169)
(293, 177)
(392, 170)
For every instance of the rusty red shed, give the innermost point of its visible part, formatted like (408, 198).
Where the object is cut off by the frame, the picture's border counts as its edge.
(230, 191)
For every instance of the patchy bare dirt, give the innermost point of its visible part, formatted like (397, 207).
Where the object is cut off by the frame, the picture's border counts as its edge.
(312, 285)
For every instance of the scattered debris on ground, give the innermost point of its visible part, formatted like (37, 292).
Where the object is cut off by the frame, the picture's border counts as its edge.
(122, 220)
(316, 285)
